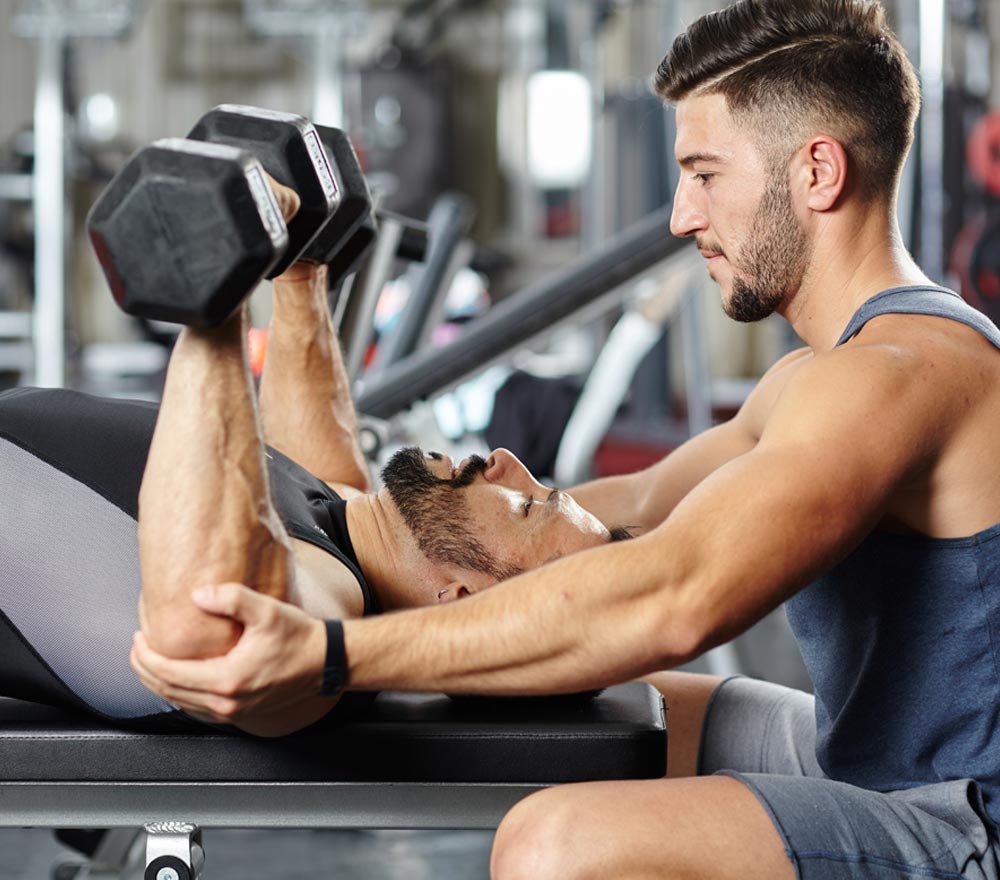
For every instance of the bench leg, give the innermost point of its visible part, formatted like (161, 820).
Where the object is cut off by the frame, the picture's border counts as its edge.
(173, 851)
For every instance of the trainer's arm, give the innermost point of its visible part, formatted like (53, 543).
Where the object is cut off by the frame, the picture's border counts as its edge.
(747, 537)
(305, 396)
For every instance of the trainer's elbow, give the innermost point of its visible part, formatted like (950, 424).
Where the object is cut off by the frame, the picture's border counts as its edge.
(683, 630)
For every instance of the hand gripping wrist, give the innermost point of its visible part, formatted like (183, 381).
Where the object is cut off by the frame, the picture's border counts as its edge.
(335, 665)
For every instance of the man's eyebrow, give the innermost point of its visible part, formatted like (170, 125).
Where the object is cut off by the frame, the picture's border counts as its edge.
(691, 158)
(554, 496)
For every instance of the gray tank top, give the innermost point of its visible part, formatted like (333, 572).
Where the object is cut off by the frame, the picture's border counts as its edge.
(902, 638)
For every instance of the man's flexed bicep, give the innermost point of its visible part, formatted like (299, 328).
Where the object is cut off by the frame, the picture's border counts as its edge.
(305, 396)
(848, 430)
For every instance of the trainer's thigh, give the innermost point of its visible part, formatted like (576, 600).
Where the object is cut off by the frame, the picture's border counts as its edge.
(756, 726)
(835, 831)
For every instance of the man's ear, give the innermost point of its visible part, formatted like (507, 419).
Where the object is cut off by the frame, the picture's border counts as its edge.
(452, 592)
(823, 163)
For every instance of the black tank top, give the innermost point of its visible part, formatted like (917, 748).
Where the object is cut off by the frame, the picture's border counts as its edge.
(104, 443)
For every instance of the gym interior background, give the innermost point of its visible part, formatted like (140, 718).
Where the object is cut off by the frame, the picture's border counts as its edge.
(539, 113)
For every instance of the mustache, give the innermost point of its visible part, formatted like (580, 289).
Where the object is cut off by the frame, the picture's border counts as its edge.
(473, 467)
(407, 470)
(712, 246)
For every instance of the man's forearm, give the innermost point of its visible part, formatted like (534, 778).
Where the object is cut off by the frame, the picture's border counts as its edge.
(205, 513)
(591, 619)
(306, 405)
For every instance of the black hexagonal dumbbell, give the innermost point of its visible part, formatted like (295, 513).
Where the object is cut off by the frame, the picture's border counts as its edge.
(290, 150)
(186, 230)
(348, 227)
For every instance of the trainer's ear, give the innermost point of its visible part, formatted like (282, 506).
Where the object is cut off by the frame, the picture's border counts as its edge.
(823, 166)
(452, 592)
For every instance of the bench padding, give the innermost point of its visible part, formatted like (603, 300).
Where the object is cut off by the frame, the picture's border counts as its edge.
(619, 734)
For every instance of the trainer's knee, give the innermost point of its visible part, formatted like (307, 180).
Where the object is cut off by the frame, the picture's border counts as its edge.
(539, 839)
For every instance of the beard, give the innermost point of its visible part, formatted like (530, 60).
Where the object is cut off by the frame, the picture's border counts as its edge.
(773, 261)
(436, 512)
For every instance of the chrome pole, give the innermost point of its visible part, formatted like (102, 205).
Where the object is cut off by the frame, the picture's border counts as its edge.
(932, 199)
(49, 198)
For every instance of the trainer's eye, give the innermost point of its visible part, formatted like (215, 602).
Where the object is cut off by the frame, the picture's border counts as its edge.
(528, 505)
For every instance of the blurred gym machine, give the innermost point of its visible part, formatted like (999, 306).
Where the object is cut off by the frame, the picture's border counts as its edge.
(972, 231)
(54, 25)
(325, 29)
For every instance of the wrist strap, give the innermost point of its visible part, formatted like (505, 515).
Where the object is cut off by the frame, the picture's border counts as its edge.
(335, 667)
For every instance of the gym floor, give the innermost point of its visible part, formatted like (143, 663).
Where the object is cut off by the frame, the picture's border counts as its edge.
(31, 854)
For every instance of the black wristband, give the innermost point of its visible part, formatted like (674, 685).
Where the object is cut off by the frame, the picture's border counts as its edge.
(335, 667)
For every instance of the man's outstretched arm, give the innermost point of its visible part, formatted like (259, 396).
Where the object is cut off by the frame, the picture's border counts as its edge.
(750, 535)
(305, 395)
(205, 511)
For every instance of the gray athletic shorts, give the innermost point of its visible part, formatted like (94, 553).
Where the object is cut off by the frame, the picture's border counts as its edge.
(765, 736)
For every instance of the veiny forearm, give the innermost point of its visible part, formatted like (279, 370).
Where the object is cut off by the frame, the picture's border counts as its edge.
(205, 514)
(305, 395)
(594, 618)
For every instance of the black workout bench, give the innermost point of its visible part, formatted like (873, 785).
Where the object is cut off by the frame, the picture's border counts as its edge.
(408, 761)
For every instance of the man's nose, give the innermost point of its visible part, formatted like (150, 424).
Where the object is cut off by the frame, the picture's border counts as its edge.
(686, 218)
(506, 469)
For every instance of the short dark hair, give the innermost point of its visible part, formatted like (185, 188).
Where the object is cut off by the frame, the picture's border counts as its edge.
(791, 66)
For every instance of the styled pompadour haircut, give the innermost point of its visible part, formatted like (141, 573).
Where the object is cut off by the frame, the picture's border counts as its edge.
(794, 68)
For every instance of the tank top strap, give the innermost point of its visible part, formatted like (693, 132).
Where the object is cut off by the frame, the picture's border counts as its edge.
(921, 300)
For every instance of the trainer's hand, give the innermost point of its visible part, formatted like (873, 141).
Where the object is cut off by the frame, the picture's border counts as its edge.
(276, 664)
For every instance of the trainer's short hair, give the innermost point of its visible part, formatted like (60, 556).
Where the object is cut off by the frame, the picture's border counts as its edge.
(794, 68)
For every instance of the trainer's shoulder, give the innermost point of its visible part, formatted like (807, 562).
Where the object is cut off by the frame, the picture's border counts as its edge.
(886, 383)
(876, 365)
(756, 409)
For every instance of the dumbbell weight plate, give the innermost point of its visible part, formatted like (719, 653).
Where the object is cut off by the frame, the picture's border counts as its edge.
(289, 148)
(186, 230)
(355, 203)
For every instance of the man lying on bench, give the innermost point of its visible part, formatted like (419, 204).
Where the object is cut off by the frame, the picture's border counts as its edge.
(296, 519)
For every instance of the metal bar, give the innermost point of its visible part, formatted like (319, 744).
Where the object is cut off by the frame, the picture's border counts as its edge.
(36, 19)
(258, 805)
(448, 221)
(461, 258)
(15, 325)
(933, 24)
(359, 313)
(521, 317)
(697, 372)
(50, 209)
(328, 91)
(16, 187)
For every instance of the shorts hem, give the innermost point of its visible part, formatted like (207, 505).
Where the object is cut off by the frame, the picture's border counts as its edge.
(704, 724)
(798, 858)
